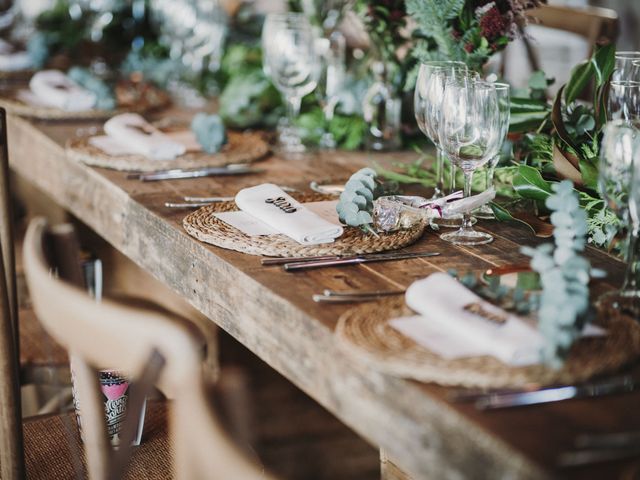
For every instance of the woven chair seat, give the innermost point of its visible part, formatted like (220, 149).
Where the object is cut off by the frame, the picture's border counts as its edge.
(53, 449)
(37, 348)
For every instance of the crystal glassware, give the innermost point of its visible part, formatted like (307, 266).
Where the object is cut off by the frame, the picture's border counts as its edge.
(332, 51)
(504, 109)
(469, 134)
(426, 100)
(290, 60)
(382, 109)
(619, 152)
(624, 65)
(624, 100)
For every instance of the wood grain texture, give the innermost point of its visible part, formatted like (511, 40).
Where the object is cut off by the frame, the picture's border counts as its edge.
(271, 312)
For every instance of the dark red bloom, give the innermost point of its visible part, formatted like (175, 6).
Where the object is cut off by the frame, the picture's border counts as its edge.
(493, 24)
(468, 47)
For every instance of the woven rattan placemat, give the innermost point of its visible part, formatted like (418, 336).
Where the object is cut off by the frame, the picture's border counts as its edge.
(204, 226)
(151, 99)
(242, 147)
(364, 333)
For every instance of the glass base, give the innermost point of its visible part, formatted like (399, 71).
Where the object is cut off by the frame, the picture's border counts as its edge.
(484, 213)
(467, 236)
(626, 302)
(452, 221)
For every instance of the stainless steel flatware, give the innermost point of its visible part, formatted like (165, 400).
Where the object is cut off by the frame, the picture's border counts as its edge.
(620, 384)
(208, 199)
(186, 205)
(353, 296)
(576, 458)
(281, 261)
(180, 173)
(609, 440)
(361, 293)
(296, 266)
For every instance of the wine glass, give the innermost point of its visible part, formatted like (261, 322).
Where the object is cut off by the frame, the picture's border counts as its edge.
(426, 100)
(631, 295)
(332, 52)
(291, 61)
(619, 152)
(624, 65)
(469, 133)
(624, 100)
(504, 110)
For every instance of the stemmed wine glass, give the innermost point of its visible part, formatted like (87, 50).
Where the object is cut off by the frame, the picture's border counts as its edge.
(619, 152)
(624, 65)
(632, 292)
(624, 100)
(504, 111)
(469, 134)
(291, 61)
(332, 51)
(426, 105)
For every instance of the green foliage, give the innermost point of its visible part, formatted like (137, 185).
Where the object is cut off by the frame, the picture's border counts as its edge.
(355, 207)
(106, 99)
(564, 275)
(209, 131)
(348, 130)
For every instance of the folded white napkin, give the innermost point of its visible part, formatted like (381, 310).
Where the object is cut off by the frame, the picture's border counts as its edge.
(273, 206)
(440, 300)
(12, 60)
(135, 133)
(55, 89)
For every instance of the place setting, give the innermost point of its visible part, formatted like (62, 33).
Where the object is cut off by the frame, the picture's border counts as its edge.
(167, 149)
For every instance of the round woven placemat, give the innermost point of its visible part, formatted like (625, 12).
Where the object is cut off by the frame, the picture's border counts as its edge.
(152, 99)
(202, 225)
(364, 333)
(242, 147)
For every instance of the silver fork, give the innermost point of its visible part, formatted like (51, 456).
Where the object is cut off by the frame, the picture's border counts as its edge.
(353, 296)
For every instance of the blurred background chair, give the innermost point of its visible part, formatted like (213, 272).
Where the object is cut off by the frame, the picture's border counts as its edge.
(109, 333)
(557, 36)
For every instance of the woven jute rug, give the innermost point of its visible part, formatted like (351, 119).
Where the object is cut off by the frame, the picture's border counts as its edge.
(204, 226)
(242, 147)
(365, 334)
(132, 97)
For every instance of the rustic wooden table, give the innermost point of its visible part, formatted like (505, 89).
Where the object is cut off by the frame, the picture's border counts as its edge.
(272, 313)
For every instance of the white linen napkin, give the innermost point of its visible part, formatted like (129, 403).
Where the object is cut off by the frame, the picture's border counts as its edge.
(12, 60)
(134, 132)
(440, 300)
(55, 89)
(302, 225)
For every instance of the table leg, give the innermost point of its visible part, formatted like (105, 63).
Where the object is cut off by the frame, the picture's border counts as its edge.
(389, 470)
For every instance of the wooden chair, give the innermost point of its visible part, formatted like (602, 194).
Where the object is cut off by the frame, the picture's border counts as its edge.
(595, 24)
(41, 359)
(133, 339)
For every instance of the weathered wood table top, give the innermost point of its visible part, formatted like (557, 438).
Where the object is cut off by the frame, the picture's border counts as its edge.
(272, 313)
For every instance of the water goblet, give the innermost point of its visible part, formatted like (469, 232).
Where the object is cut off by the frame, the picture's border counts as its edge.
(619, 154)
(290, 60)
(624, 65)
(426, 100)
(504, 110)
(332, 52)
(469, 134)
(624, 100)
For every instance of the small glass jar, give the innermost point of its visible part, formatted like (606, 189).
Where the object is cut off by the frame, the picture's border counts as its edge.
(382, 108)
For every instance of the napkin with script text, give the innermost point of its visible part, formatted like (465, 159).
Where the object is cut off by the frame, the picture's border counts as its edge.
(270, 204)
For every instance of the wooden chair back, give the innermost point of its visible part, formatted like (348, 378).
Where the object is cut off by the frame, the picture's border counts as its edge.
(595, 24)
(11, 444)
(126, 338)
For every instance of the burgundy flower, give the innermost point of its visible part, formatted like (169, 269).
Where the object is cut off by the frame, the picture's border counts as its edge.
(492, 24)
(468, 47)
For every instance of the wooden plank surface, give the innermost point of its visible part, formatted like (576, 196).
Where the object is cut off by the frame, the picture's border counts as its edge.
(271, 312)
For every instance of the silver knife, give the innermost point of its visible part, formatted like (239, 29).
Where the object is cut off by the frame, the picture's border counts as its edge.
(621, 384)
(575, 458)
(193, 173)
(283, 260)
(295, 266)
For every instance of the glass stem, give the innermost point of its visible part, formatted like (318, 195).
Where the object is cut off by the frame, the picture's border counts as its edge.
(452, 178)
(466, 216)
(439, 171)
(491, 170)
(293, 108)
(631, 280)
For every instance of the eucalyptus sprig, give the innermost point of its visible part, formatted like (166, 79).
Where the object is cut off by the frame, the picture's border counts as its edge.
(355, 207)
(564, 275)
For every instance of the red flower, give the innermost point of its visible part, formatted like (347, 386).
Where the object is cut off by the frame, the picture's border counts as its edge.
(469, 47)
(492, 24)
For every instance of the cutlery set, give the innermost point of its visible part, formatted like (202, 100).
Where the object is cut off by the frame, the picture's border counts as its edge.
(331, 296)
(184, 173)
